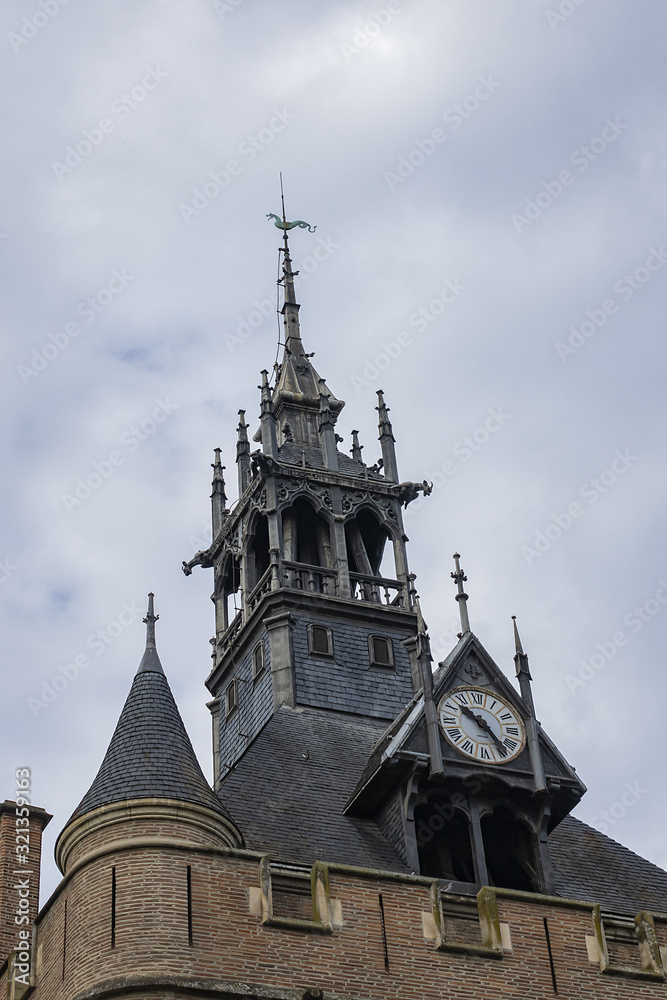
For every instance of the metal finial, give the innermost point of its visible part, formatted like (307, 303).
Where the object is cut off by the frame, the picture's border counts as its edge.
(459, 578)
(517, 641)
(149, 622)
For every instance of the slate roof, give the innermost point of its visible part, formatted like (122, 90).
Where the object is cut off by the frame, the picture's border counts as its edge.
(150, 754)
(589, 865)
(292, 808)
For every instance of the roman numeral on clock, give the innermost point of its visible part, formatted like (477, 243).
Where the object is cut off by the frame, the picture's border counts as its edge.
(448, 720)
(468, 746)
(455, 735)
(510, 744)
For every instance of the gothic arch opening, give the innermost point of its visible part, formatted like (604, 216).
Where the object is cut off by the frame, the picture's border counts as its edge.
(230, 585)
(366, 539)
(306, 535)
(443, 841)
(258, 551)
(509, 852)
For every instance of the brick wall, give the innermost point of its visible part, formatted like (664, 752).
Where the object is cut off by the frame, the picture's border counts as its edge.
(19, 882)
(231, 945)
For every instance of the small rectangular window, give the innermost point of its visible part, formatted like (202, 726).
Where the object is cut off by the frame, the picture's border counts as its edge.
(381, 651)
(258, 660)
(320, 640)
(231, 698)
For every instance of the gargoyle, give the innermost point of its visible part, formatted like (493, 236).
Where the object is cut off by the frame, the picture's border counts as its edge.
(410, 491)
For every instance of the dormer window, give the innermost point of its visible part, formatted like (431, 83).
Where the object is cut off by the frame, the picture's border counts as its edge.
(231, 698)
(381, 651)
(320, 640)
(258, 661)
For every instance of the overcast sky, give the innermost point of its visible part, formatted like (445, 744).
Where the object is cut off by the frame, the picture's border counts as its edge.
(487, 178)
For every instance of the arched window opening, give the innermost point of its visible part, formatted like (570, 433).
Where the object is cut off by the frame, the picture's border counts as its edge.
(258, 552)
(306, 535)
(230, 587)
(366, 539)
(508, 849)
(443, 842)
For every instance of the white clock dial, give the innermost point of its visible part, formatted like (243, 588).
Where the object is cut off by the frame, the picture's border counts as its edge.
(481, 725)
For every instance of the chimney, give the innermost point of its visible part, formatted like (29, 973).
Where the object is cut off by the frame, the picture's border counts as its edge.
(21, 829)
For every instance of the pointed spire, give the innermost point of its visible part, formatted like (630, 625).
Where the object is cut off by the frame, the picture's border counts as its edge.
(424, 664)
(243, 453)
(267, 418)
(326, 427)
(532, 726)
(150, 755)
(387, 440)
(150, 661)
(459, 579)
(355, 450)
(522, 670)
(218, 496)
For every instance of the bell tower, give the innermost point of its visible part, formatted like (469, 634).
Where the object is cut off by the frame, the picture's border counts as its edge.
(314, 602)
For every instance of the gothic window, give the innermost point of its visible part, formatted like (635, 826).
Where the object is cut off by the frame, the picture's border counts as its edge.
(231, 698)
(306, 535)
(443, 841)
(381, 651)
(230, 585)
(320, 640)
(258, 551)
(509, 853)
(258, 660)
(366, 539)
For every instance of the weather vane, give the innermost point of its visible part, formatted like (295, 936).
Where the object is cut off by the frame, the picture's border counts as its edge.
(283, 223)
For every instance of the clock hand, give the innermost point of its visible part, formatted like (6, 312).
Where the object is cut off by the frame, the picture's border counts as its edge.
(483, 724)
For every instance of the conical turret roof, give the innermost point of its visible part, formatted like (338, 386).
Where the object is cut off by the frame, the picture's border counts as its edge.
(150, 754)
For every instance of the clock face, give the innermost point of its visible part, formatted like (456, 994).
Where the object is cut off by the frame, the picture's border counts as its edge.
(481, 725)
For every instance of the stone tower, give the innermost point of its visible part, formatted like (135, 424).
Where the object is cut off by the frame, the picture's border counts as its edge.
(378, 828)
(305, 611)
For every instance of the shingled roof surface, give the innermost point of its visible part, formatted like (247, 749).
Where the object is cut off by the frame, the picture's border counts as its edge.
(288, 791)
(150, 754)
(591, 866)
